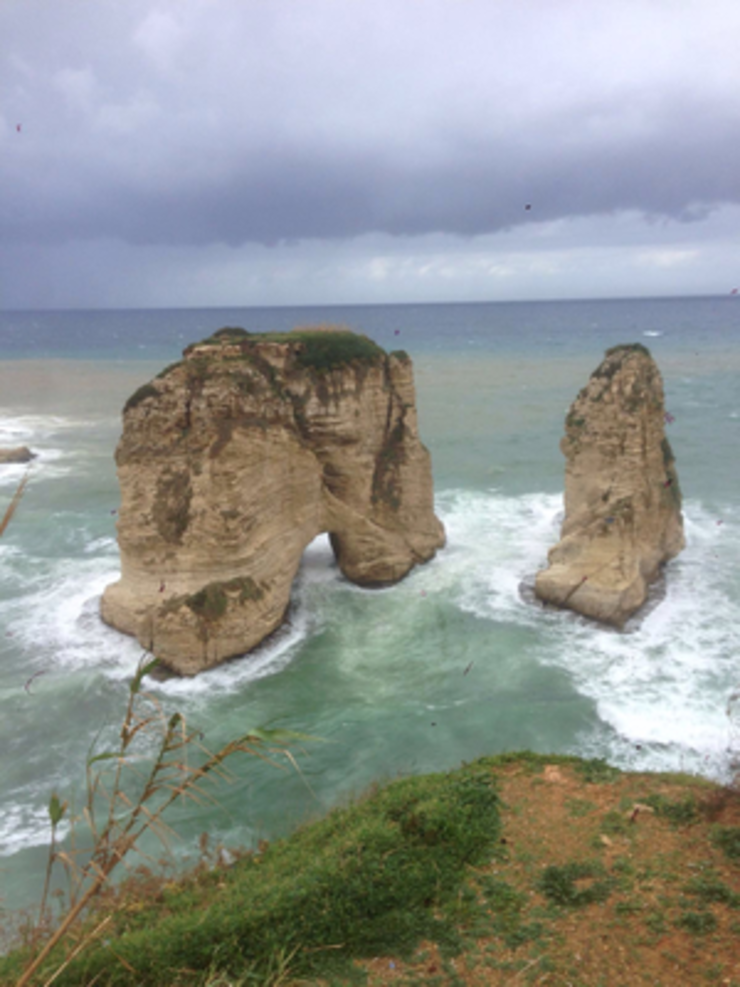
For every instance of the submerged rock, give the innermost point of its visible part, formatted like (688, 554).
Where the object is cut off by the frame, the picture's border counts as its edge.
(21, 454)
(622, 498)
(234, 459)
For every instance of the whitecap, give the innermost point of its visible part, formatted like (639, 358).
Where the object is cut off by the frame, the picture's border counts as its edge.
(664, 683)
(60, 624)
(271, 657)
(105, 543)
(494, 543)
(22, 826)
(22, 428)
(317, 574)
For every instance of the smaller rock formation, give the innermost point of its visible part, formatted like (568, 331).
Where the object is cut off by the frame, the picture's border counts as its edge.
(622, 499)
(234, 459)
(21, 454)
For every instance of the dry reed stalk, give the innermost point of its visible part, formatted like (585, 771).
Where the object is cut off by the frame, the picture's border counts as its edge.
(171, 776)
(13, 505)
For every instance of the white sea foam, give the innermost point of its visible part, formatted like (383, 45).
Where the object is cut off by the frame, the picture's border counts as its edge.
(59, 623)
(662, 685)
(660, 689)
(316, 573)
(268, 659)
(494, 543)
(22, 826)
(652, 332)
(45, 436)
(22, 428)
(103, 544)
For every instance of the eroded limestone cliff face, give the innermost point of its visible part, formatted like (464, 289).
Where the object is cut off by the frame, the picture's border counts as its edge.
(233, 460)
(622, 498)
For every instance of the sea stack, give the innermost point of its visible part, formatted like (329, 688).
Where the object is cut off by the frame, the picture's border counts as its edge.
(622, 498)
(234, 459)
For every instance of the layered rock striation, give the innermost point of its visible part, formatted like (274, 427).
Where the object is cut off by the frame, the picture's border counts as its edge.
(622, 498)
(234, 459)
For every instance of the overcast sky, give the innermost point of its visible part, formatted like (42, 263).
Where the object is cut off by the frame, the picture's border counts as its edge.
(268, 152)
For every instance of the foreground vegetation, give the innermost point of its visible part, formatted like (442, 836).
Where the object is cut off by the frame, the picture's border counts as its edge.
(518, 869)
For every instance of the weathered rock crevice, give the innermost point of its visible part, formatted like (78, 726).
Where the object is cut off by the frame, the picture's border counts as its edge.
(232, 461)
(623, 517)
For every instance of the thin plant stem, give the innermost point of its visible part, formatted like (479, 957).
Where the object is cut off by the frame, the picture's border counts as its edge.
(13, 505)
(169, 778)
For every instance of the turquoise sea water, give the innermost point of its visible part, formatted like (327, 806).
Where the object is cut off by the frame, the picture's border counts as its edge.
(454, 662)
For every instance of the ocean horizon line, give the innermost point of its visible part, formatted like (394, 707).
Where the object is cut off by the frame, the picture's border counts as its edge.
(709, 296)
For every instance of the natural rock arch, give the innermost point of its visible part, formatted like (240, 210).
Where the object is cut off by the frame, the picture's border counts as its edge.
(232, 461)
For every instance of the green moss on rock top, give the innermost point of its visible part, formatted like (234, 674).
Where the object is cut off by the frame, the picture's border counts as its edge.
(141, 394)
(318, 349)
(614, 357)
(626, 348)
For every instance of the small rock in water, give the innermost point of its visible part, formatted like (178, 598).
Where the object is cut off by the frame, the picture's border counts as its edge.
(21, 454)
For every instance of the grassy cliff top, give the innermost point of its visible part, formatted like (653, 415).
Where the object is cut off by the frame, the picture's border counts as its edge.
(517, 869)
(320, 349)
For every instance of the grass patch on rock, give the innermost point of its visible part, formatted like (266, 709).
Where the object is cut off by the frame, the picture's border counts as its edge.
(320, 348)
(140, 394)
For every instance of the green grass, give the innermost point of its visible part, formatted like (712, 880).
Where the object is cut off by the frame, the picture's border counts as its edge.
(373, 879)
(614, 358)
(626, 348)
(596, 771)
(578, 808)
(314, 349)
(614, 824)
(576, 884)
(329, 350)
(168, 369)
(683, 812)
(698, 923)
(507, 906)
(709, 888)
(319, 351)
(141, 394)
(727, 838)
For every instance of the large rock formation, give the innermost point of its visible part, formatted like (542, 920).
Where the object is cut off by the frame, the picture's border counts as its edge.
(622, 498)
(233, 460)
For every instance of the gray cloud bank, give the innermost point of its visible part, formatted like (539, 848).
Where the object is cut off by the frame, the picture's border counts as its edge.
(236, 122)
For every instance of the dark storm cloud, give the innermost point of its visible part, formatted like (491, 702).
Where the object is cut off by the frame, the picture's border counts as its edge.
(298, 193)
(235, 121)
(220, 149)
